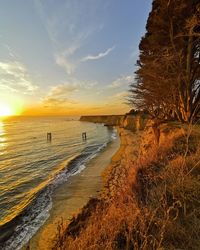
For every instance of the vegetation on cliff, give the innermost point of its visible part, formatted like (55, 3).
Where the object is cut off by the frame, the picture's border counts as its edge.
(150, 198)
(168, 74)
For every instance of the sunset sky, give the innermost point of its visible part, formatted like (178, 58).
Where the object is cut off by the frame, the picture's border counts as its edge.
(69, 56)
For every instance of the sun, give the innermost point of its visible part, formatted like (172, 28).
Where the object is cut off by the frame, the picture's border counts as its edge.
(10, 106)
(5, 110)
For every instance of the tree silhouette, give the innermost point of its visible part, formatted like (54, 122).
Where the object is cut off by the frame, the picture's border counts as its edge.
(168, 74)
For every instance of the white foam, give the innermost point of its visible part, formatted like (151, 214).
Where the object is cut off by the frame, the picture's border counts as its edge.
(79, 170)
(25, 231)
(114, 135)
(92, 157)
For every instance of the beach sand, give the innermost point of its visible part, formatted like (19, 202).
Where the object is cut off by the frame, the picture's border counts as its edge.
(71, 196)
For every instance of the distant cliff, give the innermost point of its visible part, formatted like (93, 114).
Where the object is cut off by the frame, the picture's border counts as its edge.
(130, 122)
(109, 120)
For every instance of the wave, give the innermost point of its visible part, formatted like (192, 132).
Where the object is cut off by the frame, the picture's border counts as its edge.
(114, 134)
(18, 231)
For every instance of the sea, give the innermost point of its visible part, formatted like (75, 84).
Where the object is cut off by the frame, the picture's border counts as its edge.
(32, 167)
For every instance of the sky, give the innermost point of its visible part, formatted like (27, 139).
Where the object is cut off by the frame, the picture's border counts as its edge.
(69, 57)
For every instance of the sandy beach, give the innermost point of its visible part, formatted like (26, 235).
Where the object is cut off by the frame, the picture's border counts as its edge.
(69, 198)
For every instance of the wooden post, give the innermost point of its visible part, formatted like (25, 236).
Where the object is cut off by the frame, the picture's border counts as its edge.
(49, 137)
(84, 136)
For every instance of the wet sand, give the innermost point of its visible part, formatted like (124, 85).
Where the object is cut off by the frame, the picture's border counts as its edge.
(70, 197)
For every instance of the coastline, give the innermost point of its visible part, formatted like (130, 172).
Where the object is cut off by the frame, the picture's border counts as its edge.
(71, 196)
(116, 180)
(122, 213)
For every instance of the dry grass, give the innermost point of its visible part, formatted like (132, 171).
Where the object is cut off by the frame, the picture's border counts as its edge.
(155, 203)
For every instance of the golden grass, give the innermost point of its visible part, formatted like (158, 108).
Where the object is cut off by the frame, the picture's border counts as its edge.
(154, 203)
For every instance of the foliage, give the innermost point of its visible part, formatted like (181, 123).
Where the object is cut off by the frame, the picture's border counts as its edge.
(168, 74)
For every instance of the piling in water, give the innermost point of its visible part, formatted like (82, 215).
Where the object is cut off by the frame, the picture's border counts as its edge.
(49, 137)
(84, 136)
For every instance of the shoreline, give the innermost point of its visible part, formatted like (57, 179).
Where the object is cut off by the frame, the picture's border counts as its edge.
(80, 188)
(115, 179)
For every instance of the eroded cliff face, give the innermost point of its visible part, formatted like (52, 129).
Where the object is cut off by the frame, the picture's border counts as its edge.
(157, 139)
(130, 122)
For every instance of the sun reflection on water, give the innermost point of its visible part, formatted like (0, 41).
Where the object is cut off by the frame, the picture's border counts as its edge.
(2, 138)
(2, 130)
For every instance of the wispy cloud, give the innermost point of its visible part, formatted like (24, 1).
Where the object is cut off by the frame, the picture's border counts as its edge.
(61, 95)
(65, 58)
(15, 77)
(51, 102)
(65, 63)
(98, 56)
(62, 89)
(121, 95)
(12, 55)
(68, 30)
(121, 82)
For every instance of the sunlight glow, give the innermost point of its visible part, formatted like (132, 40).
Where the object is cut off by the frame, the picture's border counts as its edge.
(9, 109)
(5, 110)
(10, 105)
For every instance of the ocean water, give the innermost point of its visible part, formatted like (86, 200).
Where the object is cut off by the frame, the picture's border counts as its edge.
(31, 168)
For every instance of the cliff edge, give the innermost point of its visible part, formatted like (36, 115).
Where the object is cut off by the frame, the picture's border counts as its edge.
(150, 198)
(130, 122)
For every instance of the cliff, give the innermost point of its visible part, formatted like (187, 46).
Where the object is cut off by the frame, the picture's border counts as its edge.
(150, 198)
(130, 122)
(109, 120)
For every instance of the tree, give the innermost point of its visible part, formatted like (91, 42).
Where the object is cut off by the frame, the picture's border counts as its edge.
(168, 74)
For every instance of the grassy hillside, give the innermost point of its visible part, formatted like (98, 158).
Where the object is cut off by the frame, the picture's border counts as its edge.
(151, 195)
